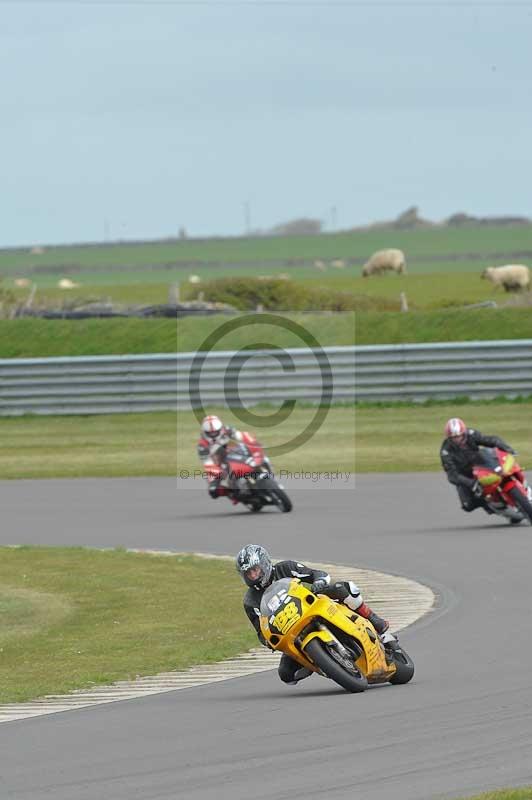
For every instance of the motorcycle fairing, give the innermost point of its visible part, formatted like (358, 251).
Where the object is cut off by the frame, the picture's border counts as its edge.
(291, 616)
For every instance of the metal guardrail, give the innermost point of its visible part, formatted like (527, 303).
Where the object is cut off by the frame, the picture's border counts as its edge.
(444, 370)
(119, 384)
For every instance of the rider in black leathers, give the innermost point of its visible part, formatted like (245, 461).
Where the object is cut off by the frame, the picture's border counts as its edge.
(458, 455)
(255, 566)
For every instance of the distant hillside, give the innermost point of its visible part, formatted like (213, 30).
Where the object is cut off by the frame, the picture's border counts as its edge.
(411, 220)
(459, 239)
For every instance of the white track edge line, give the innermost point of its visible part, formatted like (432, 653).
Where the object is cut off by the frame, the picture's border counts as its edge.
(401, 600)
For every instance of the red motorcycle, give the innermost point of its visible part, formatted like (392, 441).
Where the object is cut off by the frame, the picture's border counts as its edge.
(247, 473)
(504, 486)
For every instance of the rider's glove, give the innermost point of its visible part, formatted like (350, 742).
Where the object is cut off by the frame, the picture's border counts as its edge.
(477, 489)
(318, 586)
(217, 449)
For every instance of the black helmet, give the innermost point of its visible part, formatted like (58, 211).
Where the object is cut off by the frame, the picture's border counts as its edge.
(251, 557)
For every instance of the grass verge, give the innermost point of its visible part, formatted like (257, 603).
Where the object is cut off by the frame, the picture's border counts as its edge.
(525, 793)
(38, 338)
(78, 617)
(117, 445)
(369, 438)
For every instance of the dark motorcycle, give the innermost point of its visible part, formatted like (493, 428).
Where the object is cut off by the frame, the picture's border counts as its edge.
(247, 474)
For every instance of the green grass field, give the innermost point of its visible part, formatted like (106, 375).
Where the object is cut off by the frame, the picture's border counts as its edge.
(419, 244)
(434, 288)
(444, 275)
(73, 618)
(392, 438)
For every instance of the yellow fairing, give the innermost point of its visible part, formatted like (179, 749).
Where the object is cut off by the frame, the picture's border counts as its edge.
(508, 463)
(489, 480)
(300, 608)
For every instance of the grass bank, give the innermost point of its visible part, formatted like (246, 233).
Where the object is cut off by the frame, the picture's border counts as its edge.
(73, 618)
(525, 793)
(392, 438)
(35, 338)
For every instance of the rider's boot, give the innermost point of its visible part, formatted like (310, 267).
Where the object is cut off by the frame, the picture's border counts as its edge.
(381, 625)
(299, 675)
(217, 490)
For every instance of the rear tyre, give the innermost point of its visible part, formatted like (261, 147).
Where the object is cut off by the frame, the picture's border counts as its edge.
(278, 495)
(522, 502)
(353, 681)
(404, 666)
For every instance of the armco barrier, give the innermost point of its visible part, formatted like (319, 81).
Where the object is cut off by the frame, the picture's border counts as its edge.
(118, 384)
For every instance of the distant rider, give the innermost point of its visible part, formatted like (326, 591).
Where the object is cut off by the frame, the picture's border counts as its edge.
(214, 438)
(256, 569)
(458, 455)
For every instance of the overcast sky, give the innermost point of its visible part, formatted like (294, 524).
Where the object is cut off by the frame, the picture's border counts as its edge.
(132, 119)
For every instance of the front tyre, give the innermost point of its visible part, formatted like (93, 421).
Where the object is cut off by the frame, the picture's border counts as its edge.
(278, 496)
(352, 680)
(522, 502)
(404, 666)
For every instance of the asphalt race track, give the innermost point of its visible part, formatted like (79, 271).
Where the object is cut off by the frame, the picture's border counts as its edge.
(462, 726)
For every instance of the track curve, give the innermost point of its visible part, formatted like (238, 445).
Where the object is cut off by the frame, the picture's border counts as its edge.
(463, 725)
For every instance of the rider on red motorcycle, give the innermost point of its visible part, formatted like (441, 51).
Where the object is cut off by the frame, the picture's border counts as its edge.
(458, 452)
(255, 567)
(214, 438)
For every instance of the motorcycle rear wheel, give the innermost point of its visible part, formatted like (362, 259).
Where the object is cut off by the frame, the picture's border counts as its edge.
(522, 502)
(351, 681)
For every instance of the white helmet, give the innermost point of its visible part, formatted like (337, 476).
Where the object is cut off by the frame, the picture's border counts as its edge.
(212, 427)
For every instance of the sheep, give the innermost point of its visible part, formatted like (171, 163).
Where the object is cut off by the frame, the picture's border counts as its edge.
(22, 283)
(385, 261)
(338, 263)
(510, 276)
(66, 283)
(320, 265)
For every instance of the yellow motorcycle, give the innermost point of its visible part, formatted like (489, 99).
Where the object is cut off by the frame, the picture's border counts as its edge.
(329, 638)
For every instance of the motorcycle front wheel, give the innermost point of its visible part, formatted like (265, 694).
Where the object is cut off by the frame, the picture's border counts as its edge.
(352, 680)
(404, 667)
(522, 502)
(279, 497)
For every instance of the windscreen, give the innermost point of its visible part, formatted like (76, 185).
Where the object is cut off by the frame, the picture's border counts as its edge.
(274, 596)
(487, 457)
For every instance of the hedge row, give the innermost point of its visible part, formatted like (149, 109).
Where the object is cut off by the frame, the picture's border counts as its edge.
(278, 294)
